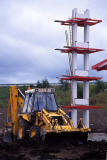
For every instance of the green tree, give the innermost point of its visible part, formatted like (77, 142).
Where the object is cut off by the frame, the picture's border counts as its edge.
(80, 90)
(31, 85)
(64, 85)
(23, 89)
(39, 85)
(45, 83)
(99, 86)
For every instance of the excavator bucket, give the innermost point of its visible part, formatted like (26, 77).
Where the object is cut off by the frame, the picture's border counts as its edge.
(7, 137)
(74, 138)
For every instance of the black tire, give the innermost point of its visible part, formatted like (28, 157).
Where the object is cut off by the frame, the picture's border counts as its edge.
(42, 135)
(34, 134)
(22, 129)
(39, 134)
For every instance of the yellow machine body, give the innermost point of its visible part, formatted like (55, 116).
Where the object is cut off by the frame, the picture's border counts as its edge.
(46, 121)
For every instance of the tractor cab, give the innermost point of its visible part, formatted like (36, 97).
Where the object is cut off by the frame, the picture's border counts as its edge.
(38, 99)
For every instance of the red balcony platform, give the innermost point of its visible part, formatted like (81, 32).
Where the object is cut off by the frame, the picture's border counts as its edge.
(101, 65)
(80, 21)
(79, 50)
(81, 107)
(79, 78)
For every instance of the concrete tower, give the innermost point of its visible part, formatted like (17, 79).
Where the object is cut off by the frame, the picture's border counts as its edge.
(80, 20)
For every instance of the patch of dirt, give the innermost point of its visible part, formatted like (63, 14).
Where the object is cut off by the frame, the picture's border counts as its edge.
(98, 119)
(58, 151)
(3, 112)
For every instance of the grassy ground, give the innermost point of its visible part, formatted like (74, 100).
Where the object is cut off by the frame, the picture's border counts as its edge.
(62, 95)
(4, 95)
(99, 99)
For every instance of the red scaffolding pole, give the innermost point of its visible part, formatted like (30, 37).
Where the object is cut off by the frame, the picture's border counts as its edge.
(80, 21)
(100, 66)
(81, 107)
(80, 78)
(79, 50)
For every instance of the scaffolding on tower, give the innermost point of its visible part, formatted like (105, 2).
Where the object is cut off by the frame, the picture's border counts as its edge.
(73, 49)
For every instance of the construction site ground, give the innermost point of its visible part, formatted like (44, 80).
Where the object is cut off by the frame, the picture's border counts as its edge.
(62, 150)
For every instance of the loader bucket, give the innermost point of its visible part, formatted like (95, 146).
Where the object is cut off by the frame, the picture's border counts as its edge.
(69, 137)
(7, 137)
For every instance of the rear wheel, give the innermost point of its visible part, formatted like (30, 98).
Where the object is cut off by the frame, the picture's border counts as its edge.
(22, 129)
(7, 135)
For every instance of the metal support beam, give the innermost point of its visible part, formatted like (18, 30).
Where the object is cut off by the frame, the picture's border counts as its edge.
(86, 68)
(74, 67)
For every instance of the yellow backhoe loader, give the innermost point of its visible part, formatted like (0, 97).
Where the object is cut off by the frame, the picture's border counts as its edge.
(37, 116)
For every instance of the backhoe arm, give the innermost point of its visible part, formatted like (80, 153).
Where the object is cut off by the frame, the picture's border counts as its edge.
(14, 100)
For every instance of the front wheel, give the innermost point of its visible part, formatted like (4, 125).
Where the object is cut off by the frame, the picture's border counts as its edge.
(37, 134)
(22, 129)
(34, 133)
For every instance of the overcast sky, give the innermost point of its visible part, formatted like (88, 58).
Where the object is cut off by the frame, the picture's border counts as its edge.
(29, 35)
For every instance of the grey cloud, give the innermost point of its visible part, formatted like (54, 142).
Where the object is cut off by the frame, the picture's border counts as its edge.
(28, 36)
